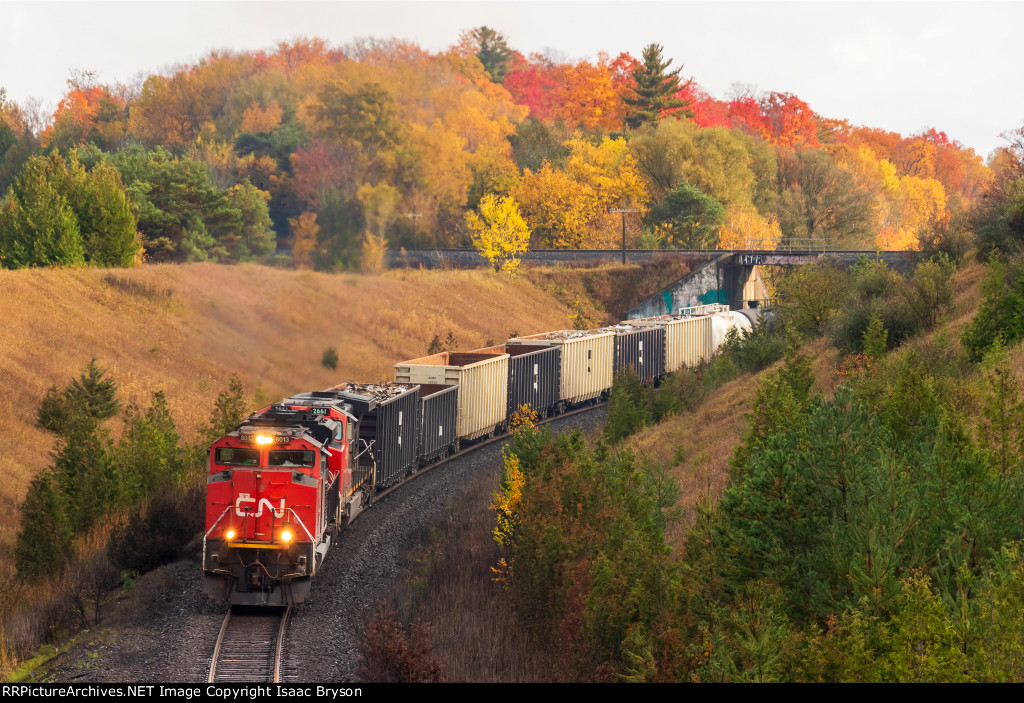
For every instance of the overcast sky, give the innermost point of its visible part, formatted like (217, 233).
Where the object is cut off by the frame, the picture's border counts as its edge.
(899, 66)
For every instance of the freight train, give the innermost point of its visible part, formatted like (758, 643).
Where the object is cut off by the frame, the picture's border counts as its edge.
(287, 479)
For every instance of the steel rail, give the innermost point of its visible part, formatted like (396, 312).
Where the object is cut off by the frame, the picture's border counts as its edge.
(242, 655)
(249, 647)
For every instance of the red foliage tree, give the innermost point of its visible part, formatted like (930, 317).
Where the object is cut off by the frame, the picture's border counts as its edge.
(707, 111)
(535, 84)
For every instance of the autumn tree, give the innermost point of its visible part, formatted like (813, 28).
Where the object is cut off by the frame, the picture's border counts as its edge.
(745, 225)
(17, 140)
(588, 97)
(88, 113)
(535, 142)
(716, 161)
(707, 111)
(536, 84)
(500, 233)
(380, 208)
(304, 231)
(366, 116)
(654, 90)
(818, 199)
(810, 297)
(789, 120)
(568, 208)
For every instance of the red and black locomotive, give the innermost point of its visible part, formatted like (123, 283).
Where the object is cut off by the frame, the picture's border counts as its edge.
(291, 475)
(282, 483)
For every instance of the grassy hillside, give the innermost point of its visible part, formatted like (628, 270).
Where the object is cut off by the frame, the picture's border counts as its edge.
(186, 329)
(709, 434)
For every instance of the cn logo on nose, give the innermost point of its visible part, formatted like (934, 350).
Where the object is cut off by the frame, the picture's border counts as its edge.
(246, 499)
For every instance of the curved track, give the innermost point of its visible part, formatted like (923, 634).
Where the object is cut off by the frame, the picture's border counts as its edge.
(249, 646)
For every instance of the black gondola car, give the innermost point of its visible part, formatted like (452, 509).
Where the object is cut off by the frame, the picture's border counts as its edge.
(439, 413)
(534, 372)
(388, 415)
(643, 348)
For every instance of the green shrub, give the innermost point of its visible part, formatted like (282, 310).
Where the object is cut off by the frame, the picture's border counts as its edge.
(905, 305)
(329, 359)
(628, 408)
(1000, 315)
(756, 349)
(157, 534)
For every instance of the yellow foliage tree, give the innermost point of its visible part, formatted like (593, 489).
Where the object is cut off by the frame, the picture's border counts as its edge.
(569, 209)
(304, 231)
(507, 499)
(745, 227)
(903, 208)
(499, 232)
(375, 250)
(556, 207)
(380, 208)
(257, 119)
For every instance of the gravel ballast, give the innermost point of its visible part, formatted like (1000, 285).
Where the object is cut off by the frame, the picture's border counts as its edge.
(166, 627)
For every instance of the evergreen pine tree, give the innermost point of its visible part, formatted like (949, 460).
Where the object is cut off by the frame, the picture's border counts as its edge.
(148, 454)
(39, 226)
(228, 411)
(627, 409)
(655, 87)
(44, 540)
(84, 402)
(86, 475)
(107, 222)
(494, 53)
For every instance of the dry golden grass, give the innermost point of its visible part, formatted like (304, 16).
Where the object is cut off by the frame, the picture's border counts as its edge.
(186, 329)
(966, 284)
(474, 625)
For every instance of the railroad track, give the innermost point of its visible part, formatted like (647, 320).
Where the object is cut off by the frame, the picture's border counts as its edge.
(251, 640)
(249, 646)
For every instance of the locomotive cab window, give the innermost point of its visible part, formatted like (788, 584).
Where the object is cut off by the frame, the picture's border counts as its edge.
(237, 457)
(292, 458)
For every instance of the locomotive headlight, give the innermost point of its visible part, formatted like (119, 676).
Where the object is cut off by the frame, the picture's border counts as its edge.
(264, 439)
(286, 536)
(230, 534)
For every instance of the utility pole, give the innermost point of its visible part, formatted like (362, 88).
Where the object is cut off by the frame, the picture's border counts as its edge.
(624, 210)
